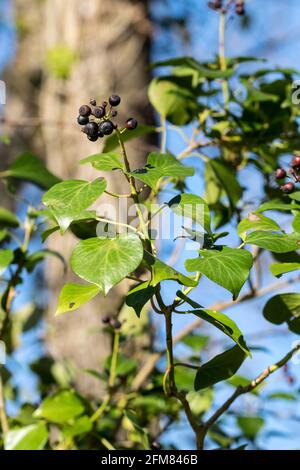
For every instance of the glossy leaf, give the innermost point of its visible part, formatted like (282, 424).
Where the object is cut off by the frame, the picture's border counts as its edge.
(32, 437)
(224, 324)
(8, 219)
(192, 207)
(104, 161)
(227, 267)
(219, 368)
(162, 272)
(106, 261)
(161, 165)
(256, 221)
(69, 199)
(227, 179)
(284, 308)
(276, 242)
(139, 296)
(60, 407)
(72, 296)
(27, 167)
(277, 269)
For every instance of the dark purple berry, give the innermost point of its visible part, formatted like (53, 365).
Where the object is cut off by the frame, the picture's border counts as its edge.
(131, 123)
(116, 324)
(100, 134)
(240, 10)
(93, 138)
(114, 113)
(280, 173)
(106, 319)
(104, 104)
(288, 188)
(114, 100)
(93, 102)
(106, 127)
(82, 120)
(85, 110)
(99, 112)
(91, 129)
(296, 162)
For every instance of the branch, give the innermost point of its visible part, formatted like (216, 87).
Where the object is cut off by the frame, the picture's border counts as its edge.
(251, 386)
(150, 364)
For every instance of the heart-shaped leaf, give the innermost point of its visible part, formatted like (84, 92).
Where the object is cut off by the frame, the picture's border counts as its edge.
(60, 407)
(228, 267)
(276, 242)
(193, 207)
(72, 296)
(139, 296)
(160, 165)
(104, 161)
(106, 261)
(220, 368)
(256, 221)
(68, 199)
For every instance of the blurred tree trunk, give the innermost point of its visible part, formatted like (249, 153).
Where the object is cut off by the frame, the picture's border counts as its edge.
(106, 43)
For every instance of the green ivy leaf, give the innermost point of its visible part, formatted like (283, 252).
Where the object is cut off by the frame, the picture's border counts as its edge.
(220, 368)
(193, 207)
(284, 308)
(72, 296)
(227, 267)
(8, 219)
(277, 269)
(227, 179)
(190, 62)
(276, 242)
(172, 100)
(106, 261)
(277, 206)
(27, 167)
(162, 272)
(224, 324)
(60, 407)
(160, 165)
(104, 161)
(250, 425)
(33, 437)
(68, 199)
(256, 221)
(81, 425)
(139, 296)
(6, 257)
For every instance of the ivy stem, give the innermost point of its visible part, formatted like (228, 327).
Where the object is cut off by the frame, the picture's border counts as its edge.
(134, 192)
(111, 380)
(170, 355)
(222, 58)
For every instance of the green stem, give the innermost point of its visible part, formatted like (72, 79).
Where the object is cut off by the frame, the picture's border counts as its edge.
(3, 417)
(170, 355)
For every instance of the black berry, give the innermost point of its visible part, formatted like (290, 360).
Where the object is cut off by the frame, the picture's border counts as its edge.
(93, 138)
(93, 102)
(288, 188)
(280, 173)
(82, 120)
(296, 162)
(100, 134)
(116, 325)
(114, 100)
(85, 110)
(104, 104)
(106, 127)
(99, 112)
(106, 319)
(131, 123)
(114, 113)
(91, 129)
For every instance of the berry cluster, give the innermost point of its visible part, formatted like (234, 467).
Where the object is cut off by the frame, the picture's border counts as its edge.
(293, 173)
(110, 321)
(97, 119)
(220, 5)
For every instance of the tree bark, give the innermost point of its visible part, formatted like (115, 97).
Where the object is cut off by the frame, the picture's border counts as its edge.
(110, 39)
